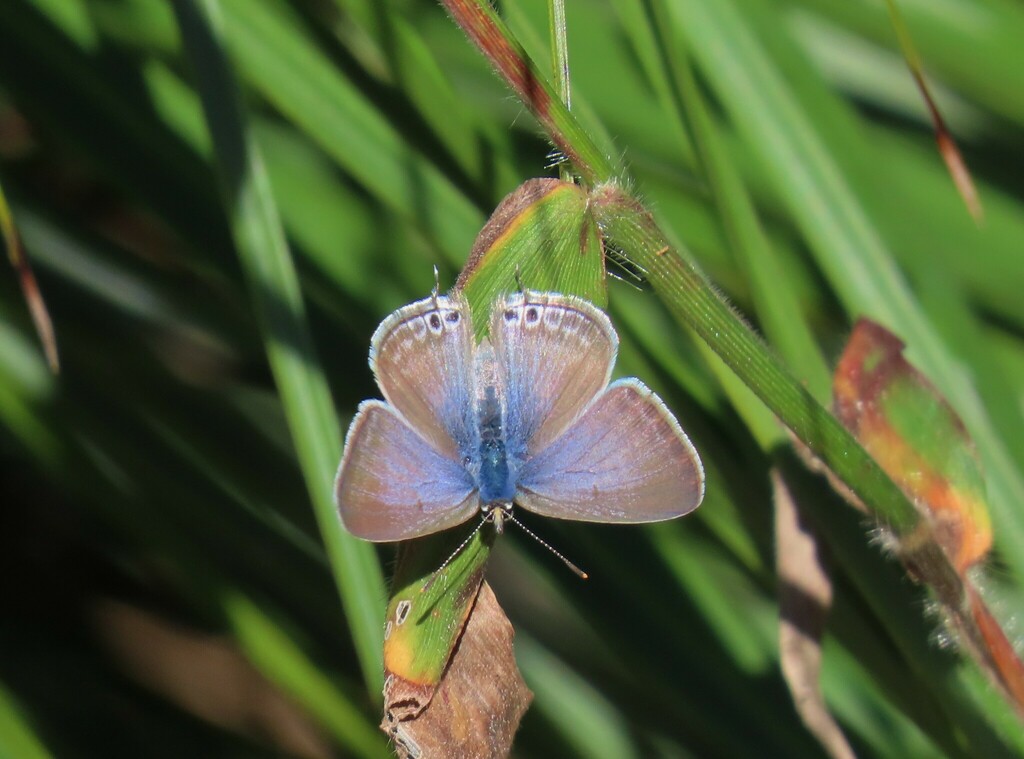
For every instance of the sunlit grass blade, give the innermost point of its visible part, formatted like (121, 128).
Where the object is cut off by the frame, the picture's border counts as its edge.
(282, 661)
(586, 721)
(274, 287)
(847, 244)
(958, 170)
(392, 48)
(17, 738)
(272, 52)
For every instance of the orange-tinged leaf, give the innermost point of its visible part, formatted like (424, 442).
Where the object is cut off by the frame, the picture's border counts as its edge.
(1001, 655)
(479, 703)
(916, 437)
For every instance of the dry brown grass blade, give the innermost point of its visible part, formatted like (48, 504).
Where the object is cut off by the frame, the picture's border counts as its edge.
(805, 597)
(948, 149)
(205, 675)
(29, 286)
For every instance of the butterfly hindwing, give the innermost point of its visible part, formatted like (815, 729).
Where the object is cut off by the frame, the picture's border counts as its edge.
(625, 459)
(392, 486)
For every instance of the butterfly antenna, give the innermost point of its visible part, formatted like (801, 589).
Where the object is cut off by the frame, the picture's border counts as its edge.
(519, 280)
(579, 572)
(430, 583)
(437, 284)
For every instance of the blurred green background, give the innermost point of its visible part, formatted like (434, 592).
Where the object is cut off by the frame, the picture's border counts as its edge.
(165, 590)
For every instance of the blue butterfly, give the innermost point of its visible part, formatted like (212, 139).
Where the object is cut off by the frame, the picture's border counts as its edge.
(526, 417)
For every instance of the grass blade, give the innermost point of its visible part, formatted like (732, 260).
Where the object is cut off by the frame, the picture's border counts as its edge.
(29, 285)
(275, 289)
(847, 244)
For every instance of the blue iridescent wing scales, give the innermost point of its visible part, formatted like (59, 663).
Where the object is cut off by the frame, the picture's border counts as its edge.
(392, 486)
(624, 460)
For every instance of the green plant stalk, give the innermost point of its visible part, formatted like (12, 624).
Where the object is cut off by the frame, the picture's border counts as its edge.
(274, 286)
(690, 297)
(774, 300)
(560, 63)
(693, 301)
(772, 297)
(492, 38)
(560, 51)
(913, 648)
(847, 245)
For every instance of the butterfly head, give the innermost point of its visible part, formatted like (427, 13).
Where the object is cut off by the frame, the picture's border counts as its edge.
(497, 513)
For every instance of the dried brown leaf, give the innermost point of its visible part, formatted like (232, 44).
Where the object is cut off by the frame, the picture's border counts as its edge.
(805, 597)
(475, 712)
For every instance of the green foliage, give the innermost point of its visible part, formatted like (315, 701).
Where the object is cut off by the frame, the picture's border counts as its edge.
(214, 326)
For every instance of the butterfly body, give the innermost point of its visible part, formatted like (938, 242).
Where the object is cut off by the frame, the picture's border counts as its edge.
(496, 479)
(525, 417)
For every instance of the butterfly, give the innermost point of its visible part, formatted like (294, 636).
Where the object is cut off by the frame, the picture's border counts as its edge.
(527, 417)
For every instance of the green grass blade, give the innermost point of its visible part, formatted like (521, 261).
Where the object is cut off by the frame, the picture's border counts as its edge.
(586, 721)
(847, 244)
(393, 48)
(774, 300)
(273, 54)
(275, 289)
(17, 738)
(280, 658)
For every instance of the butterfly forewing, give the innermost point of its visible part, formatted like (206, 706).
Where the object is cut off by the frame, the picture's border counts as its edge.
(422, 357)
(624, 460)
(393, 486)
(554, 354)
